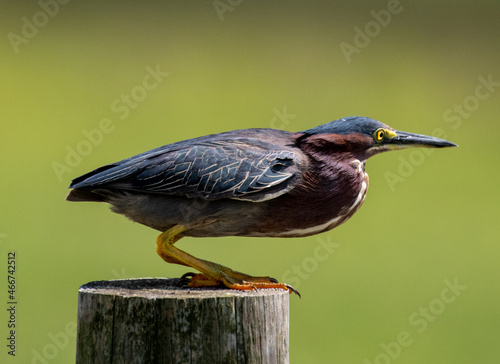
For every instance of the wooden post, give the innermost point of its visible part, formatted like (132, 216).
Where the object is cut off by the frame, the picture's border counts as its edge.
(153, 321)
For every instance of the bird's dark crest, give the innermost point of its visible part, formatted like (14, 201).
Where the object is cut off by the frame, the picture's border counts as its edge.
(348, 125)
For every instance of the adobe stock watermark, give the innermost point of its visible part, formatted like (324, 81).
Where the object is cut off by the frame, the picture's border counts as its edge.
(57, 343)
(223, 6)
(121, 107)
(419, 322)
(454, 115)
(32, 25)
(458, 112)
(363, 36)
(322, 251)
(119, 274)
(281, 119)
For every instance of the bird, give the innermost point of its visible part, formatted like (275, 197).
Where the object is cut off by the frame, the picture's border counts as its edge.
(258, 182)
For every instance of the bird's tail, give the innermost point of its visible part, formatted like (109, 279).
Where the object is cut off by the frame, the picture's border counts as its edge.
(79, 195)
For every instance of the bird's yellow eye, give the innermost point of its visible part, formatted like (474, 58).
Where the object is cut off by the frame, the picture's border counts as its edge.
(379, 134)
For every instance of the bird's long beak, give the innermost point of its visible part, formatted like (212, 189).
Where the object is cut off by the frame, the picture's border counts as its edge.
(408, 140)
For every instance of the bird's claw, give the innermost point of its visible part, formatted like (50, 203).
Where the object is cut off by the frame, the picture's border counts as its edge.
(188, 275)
(268, 284)
(291, 289)
(185, 279)
(197, 280)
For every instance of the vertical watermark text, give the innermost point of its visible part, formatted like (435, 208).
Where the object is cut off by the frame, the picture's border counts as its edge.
(12, 303)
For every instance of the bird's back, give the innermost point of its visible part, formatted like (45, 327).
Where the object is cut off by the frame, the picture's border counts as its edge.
(248, 164)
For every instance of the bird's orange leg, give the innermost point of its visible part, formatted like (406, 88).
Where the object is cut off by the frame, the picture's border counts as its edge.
(213, 273)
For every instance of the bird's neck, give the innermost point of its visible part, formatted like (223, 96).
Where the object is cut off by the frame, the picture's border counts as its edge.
(332, 147)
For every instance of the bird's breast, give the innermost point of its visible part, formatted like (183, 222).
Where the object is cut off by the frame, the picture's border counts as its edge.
(328, 200)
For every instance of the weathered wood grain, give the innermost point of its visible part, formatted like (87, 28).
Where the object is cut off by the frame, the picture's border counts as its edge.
(153, 321)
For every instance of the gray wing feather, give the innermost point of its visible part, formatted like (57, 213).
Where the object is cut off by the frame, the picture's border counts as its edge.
(237, 169)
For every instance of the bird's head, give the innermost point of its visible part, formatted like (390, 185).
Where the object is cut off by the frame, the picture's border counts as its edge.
(364, 137)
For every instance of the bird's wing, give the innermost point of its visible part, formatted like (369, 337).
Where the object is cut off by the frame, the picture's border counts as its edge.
(242, 169)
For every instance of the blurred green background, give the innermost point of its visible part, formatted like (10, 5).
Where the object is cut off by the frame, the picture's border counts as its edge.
(430, 221)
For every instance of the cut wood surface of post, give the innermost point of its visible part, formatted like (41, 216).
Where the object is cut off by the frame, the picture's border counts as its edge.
(152, 320)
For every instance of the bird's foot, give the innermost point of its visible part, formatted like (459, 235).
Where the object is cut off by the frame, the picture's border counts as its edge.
(197, 280)
(242, 282)
(213, 274)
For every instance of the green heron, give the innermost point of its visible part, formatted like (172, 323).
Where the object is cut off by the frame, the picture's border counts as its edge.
(249, 182)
